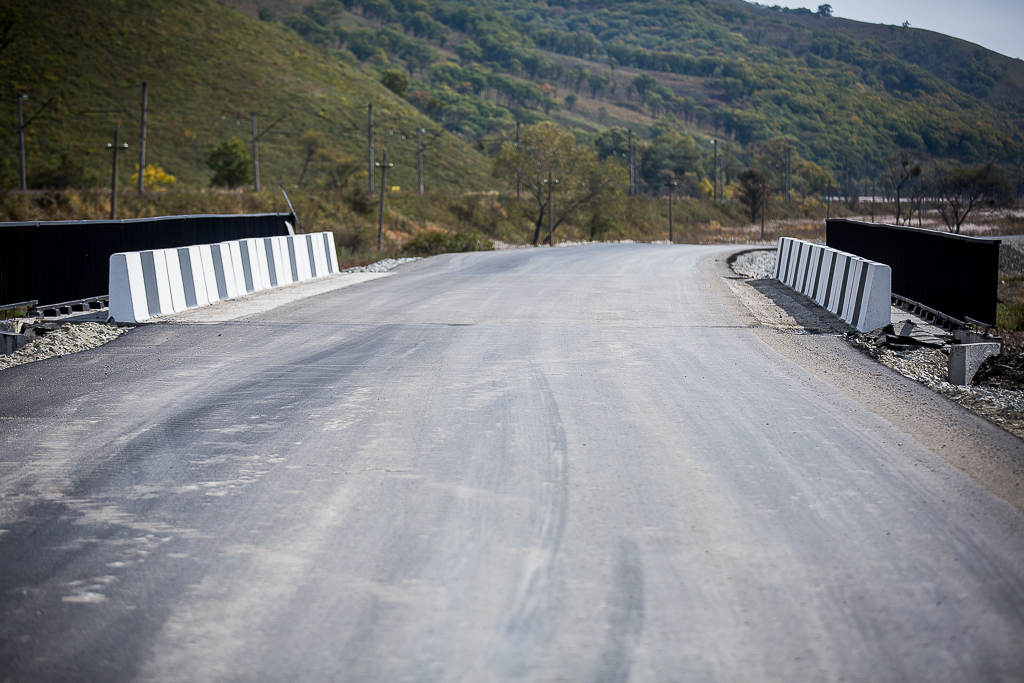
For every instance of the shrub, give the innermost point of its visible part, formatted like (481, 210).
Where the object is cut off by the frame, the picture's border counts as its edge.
(231, 164)
(396, 81)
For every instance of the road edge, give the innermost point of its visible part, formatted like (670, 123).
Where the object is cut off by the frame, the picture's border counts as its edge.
(984, 451)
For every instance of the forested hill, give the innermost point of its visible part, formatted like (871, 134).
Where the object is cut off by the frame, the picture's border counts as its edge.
(841, 96)
(844, 92)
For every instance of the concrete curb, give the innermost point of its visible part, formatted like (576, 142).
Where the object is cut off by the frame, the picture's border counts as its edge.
(144, 284)
(856, 290)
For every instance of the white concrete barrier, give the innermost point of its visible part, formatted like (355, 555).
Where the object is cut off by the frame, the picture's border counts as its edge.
(144, 284)
(855, 289)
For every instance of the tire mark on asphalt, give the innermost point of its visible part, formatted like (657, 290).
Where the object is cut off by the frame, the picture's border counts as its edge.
(626, 618)
(530, 620)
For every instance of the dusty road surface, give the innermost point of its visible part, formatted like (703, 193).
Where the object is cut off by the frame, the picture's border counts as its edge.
(584, 464)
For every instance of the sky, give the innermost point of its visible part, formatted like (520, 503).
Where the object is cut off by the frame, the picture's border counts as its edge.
(995, 24)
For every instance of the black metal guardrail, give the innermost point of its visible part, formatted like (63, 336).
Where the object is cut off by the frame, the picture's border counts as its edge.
(89, 303)
(69, 261)
(16, 310)
(954, 274)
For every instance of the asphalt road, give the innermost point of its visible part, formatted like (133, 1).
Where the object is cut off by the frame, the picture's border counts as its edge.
(542, 465)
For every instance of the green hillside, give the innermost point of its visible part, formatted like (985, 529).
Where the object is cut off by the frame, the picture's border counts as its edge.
(840, 95)
(845, 94)
(207, 66)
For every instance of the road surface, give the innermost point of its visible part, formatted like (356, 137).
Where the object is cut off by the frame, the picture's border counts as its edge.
(577, 464)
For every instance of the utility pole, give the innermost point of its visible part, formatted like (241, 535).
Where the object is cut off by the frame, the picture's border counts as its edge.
(630, 161)
(789, 174)
(670, 186)
(872, 201)
(828, 199)
(551, 209)
(369, 110)
(764, 202)
(384, 166)
(519, 173)
(419, 157)
(714, 145)
(142, 138)
(113, 176)
(21, 141)
(255, 156)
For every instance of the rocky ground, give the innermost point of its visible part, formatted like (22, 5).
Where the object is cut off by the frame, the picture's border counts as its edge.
(997, 392)
(49, 340)
(382, 266)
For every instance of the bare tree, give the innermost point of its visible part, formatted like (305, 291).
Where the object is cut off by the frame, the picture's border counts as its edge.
(901, 170)
(960, 190)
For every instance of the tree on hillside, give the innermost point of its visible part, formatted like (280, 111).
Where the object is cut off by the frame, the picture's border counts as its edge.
(614, 142)
(469, 52)
(585, 184)
(669, 153)
(598, 82)
(751, 194)
(961, 190)
(231, 164)
(643, 83)
(396, 81)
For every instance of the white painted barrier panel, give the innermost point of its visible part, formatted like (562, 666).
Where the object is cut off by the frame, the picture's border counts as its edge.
(192, 278)
(319, 254)
(300, 243)
(855, 289)
(174, 280)
(289, 266)
(254, 250)
(332, 255)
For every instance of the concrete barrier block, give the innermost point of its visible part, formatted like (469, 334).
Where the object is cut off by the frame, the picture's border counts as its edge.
(876, 310)
(965, 359)
(291, 264)
(316, 267)
(175, 282)
(192, 278)
(126, 288)
(272, 261)
(209, 272)
(221, 273)
(301, 247)
(233, 256)
(258, 257)
(154, 275)
(856, 290)
(11, 342)
(248, 267)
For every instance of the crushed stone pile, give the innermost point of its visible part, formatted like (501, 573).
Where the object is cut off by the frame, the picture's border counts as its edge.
(68, 338)
(756, 264)
(382, 266)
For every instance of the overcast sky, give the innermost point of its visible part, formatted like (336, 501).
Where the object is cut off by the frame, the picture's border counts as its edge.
(995, 24)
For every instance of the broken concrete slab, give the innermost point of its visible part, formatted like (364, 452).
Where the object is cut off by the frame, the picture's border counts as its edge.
(965, 359)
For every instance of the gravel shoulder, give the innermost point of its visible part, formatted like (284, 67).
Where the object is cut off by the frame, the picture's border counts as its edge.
(901, 387)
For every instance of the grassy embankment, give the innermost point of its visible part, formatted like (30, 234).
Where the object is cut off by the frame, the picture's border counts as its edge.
(207, 66)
